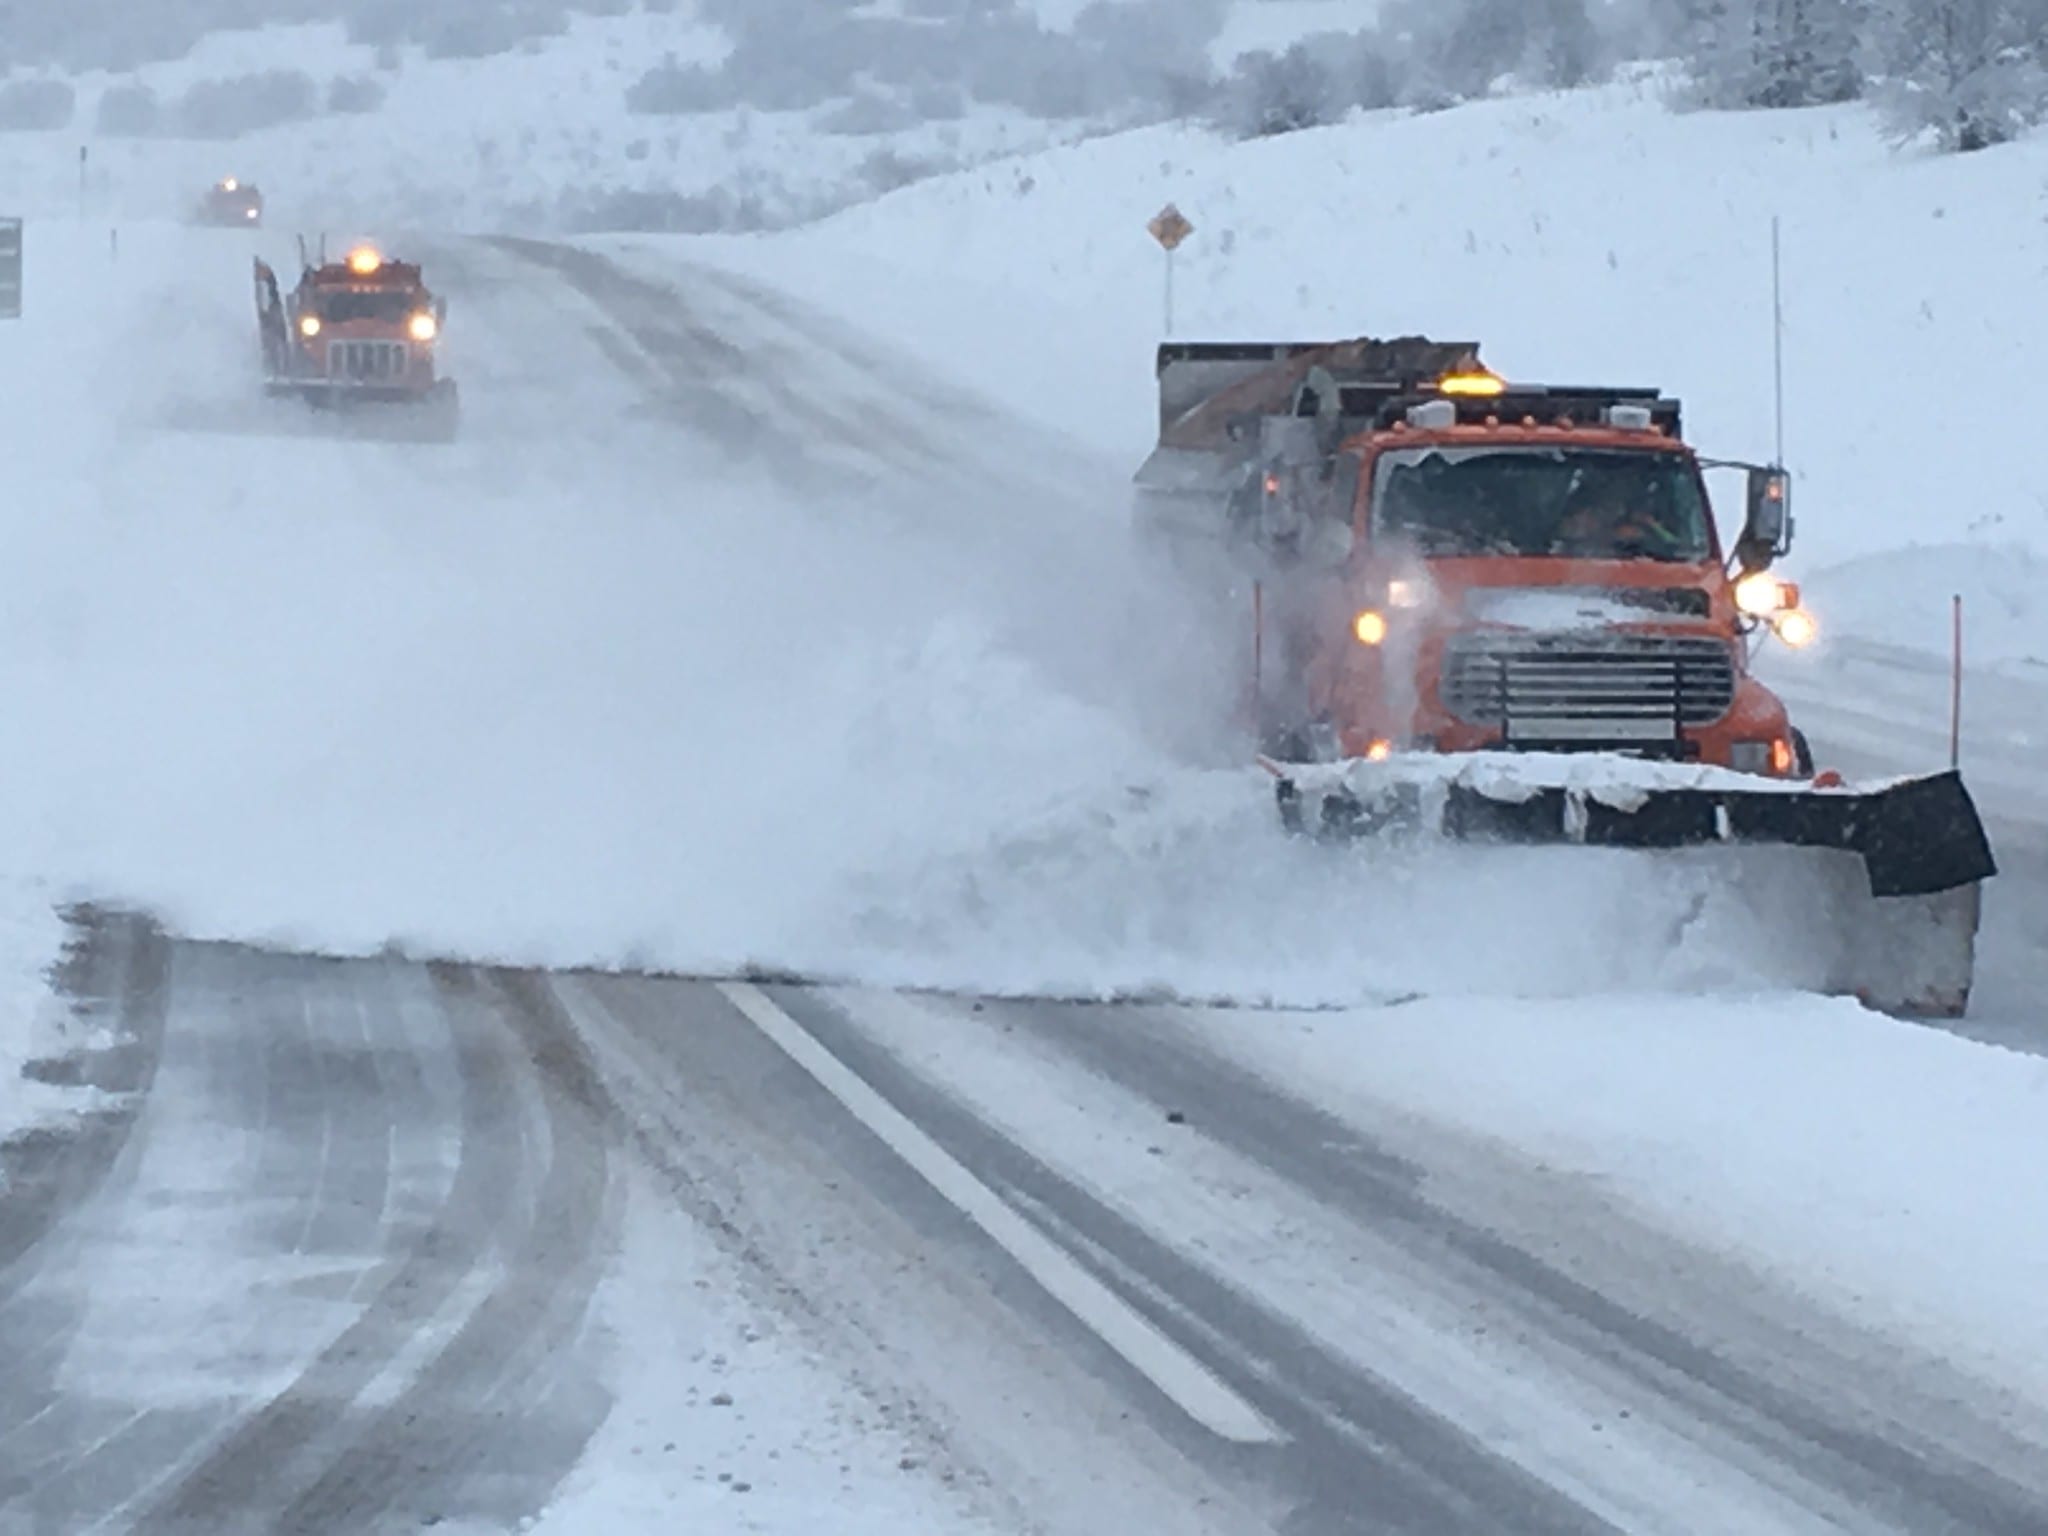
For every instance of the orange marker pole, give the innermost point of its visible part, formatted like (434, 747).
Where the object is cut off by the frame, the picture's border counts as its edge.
(1955, 683)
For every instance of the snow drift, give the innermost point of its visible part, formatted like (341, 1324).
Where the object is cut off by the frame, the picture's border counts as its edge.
(591, 686)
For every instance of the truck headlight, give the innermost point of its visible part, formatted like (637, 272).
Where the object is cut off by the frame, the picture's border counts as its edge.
(309, 325)
(1796, 627)
(1759, 594)
(423, 327)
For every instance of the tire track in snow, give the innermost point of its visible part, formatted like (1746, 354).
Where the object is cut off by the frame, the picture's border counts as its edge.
(1887, 1440)
(263, 1458)
(1361, 1454)
(889, 1285)
(509, 1373)
(513, 1250)
(749, 379)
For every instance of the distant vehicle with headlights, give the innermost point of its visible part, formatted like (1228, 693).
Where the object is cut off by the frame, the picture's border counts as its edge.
(363, 331)
(1504, 611)
(231, 203)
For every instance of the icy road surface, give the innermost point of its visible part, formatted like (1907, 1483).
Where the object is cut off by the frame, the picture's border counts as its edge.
(378, 1245)
(496, 1243)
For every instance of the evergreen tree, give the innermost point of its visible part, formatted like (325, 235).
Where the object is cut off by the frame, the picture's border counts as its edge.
(1971, 73)
(1777, 53)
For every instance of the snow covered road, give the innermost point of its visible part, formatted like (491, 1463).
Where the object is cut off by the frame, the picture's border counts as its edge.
(336, 1161)
(366, 1261)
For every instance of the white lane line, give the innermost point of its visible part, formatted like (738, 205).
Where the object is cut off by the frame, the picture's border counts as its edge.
(1150, 1352)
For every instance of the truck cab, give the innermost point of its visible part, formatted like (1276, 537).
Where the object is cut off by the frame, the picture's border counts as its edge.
(361, 330)
(1440, 560)
(231, 203)
(1534, 569)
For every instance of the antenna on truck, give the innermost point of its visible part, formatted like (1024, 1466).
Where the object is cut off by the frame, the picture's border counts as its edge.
(1777, 347)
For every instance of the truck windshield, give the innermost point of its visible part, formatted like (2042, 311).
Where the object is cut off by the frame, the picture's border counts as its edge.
(343, 304)
(1584, 503)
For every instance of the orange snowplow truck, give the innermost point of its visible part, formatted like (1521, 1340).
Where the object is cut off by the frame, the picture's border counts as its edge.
(1505, 609)
(231, 203)
(361, 331)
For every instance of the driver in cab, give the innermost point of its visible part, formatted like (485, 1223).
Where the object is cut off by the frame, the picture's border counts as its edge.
(1608, 517)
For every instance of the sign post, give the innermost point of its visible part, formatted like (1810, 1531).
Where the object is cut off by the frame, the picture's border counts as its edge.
(1170, 227)
(10, 269)
(1955, 683)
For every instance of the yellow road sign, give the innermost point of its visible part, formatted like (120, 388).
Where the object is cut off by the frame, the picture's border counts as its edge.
(1169, 226)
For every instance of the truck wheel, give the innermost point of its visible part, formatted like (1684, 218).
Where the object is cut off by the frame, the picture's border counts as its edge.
(1288, 800)
(1802, 754)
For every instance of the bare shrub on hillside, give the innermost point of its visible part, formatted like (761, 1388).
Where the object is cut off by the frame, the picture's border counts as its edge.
(243, 104)
(127, 112)
(354, 93)
(489, 31)
(36, 106)
(865, 114)
(672, 89)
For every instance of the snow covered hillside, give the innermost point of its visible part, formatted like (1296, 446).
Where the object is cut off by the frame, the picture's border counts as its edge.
(537, 138)
(1593, 236)
(613, 121)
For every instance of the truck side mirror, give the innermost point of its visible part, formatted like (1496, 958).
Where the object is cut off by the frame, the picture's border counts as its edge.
(1767, 522)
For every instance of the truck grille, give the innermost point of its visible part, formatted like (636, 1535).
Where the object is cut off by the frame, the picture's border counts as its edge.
(1569, 688)
(367, 362)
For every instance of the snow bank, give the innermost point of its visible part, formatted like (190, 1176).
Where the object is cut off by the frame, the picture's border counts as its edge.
(33, 1024)
(1901, 597)
(582, 688)
(49, 406)
(1186, 891)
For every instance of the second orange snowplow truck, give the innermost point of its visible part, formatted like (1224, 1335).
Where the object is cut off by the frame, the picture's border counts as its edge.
(361, 331)
(1505, 609)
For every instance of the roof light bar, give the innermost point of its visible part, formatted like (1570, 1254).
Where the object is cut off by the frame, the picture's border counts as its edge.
(1479, 383)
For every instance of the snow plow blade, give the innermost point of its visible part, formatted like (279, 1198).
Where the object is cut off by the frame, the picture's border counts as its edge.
(1906, 920)
(393, 414)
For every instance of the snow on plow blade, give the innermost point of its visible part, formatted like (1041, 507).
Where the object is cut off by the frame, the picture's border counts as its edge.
(399, 413)
(1905, 923)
